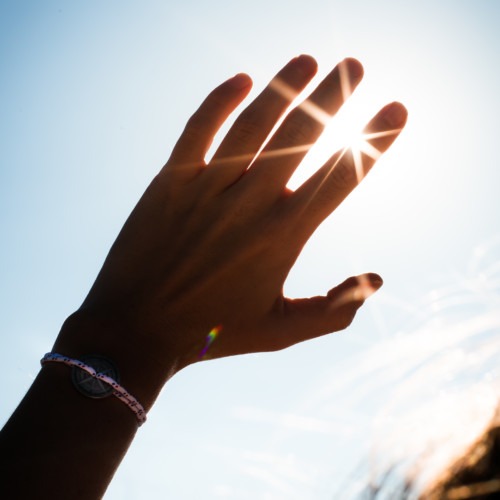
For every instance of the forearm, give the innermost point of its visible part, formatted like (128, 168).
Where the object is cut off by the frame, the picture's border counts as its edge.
(63, 442)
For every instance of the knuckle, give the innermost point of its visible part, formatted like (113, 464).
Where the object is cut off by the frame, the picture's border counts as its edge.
(343, 175)
(299, 128)
(206, 113)
(331, 86)
(194, 126)
(246, 130)
(346, 317)
(347, 321)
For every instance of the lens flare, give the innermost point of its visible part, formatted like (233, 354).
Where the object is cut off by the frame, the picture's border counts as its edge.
(212, 335)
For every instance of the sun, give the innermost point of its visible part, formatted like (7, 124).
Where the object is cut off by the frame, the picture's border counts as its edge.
(344, 132)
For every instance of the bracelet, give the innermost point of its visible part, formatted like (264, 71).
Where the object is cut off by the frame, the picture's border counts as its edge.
(99, 384)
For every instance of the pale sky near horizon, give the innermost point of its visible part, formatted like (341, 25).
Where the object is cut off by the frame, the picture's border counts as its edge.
(94, 94)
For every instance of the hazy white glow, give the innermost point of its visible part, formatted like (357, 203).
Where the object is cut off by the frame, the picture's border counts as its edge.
(98, 131)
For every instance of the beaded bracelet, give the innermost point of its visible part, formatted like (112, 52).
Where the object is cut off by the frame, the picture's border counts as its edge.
(114, 387)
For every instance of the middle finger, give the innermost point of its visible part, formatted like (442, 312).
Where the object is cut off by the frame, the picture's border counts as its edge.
(303, 126)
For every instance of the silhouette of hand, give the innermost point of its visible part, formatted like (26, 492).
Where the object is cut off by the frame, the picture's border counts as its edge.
(211, 244)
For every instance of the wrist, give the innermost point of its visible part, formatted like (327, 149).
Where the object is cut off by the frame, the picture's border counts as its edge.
(142, 367)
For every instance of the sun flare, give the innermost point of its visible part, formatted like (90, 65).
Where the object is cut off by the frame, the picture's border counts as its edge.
(343, 133)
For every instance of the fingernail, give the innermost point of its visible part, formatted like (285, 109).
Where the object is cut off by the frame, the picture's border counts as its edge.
(354, 68)
(240, 81)
(375, 280)
(307, 65)
(395, 114)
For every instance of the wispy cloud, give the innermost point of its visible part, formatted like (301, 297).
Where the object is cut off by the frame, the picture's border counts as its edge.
(292, 421)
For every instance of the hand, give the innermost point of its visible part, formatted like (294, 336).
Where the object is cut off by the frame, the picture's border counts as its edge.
(211, 244)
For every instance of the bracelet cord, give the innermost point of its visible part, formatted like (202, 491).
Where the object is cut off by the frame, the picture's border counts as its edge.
(118, 390)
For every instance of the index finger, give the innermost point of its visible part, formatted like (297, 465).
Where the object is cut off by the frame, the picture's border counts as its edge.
(188, 155)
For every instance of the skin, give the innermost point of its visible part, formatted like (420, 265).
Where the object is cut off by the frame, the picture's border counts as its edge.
(208, 244)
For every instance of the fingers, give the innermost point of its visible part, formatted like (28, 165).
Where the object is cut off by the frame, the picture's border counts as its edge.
(189, 153)
(304, 319)
(255, 123)
(319, 196)
(303, 126)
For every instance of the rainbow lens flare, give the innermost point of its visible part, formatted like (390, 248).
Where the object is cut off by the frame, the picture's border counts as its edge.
(212, 335)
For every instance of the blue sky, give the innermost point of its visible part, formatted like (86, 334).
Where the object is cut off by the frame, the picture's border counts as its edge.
(93, 96)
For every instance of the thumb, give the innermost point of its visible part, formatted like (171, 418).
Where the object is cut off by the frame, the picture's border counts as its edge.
(303, 319)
